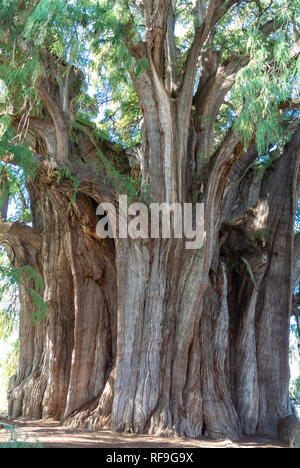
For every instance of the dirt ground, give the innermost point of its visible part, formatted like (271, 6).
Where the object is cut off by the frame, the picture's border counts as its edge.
(53, 435)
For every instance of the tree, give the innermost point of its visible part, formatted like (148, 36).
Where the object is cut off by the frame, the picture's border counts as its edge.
(142, 334)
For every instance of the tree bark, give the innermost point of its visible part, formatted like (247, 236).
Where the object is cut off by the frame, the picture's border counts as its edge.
(144, 335)
(74, 344)
(289, 431)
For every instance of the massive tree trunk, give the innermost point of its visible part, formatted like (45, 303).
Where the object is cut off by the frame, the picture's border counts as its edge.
(145, 335)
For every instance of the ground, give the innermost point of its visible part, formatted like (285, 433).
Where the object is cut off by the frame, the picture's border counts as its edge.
(53, 435)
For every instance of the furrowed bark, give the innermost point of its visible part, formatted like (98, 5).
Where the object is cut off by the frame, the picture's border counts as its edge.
(25, 391)
(146, 335)
(296, 262)
(155, 358)
(72, 344)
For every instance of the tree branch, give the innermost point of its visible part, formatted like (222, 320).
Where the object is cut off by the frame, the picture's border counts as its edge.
(209, 98)
(199, 11)
(171, 50)
(12, 233)
(4, 193)
(268, 27)
(44, 129)
(59, 120)
(156, 15)
(288, 105)
(216, 10)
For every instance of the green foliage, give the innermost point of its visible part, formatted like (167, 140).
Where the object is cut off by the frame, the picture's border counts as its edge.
(8, 368)
(295, 391)
(94, 35)
(258, 92)
(260, 235)
(142, 66)
(88, 34)
(10, 280)
(65, 173)
(21, 154)
(9, 305)
(122, 182)
(18, 440)
(27, 275)
(23, 165)
(268, 78)
(9, 319)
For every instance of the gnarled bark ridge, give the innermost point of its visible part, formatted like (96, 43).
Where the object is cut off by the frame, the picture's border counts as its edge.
(144, 335)
(147, 336)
